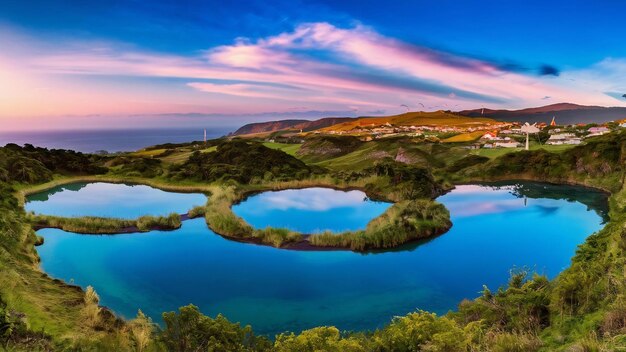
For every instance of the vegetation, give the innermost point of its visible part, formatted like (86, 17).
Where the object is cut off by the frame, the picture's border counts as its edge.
(421, 118)
(323, 147)
(583, 309)
(138, 167)
(598, 163)
(464, 137)
(85, 224)
(189, 330)
(147, 223)
(99, 225)
(222, 220)
(289, 148)
(196, 212)
(30, 164)
(401, 223)
(242, 162)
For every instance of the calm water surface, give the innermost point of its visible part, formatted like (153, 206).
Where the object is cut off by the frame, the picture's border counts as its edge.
(310, 210)
(89, 141)
(495, 229)
(111, 200)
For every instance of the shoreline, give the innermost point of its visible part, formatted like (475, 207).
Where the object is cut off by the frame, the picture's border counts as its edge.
(303, 244)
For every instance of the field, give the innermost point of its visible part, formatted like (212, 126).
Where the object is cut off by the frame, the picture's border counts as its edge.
(290, 149)
(496, 152)
(464, 137)
(437, 118)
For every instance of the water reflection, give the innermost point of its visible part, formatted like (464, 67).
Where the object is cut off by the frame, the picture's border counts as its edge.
(310, 210)
(111, 200)
(277, 290)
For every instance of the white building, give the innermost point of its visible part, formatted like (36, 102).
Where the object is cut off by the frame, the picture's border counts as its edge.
(563, 138)
(507, 144)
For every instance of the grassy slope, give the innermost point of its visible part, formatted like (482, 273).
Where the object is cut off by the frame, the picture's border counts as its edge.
(496, 152)
(437, 118)
(464, 137)
(290, 149)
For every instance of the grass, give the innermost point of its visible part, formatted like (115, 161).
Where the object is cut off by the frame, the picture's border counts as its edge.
(403, 222)
(464, 137)
(497, 152)
(356, 160)
(288, 148)
(85, 224)
(147, 223)
(197, 212)
(147, 153)
(99, 225)
(436, 118)
(579, 298)
(22, 191)
(221, 219)
(177, 158)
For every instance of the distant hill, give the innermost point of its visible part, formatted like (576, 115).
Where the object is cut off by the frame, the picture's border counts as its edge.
(304, 125)
(435, 118)
(565, 113)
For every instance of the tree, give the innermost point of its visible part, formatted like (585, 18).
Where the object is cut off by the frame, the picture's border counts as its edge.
(190, 330)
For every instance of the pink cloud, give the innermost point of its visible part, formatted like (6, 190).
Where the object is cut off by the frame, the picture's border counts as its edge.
(278, 71)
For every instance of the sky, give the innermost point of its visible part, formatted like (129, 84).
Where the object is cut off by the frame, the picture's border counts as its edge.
(98, 64)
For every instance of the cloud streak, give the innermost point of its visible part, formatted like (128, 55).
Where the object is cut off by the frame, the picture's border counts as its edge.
(316, 64)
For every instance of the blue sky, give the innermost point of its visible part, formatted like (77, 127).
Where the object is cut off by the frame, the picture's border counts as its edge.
(249, 57)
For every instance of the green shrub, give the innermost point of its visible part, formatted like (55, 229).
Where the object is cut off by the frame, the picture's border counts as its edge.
(170, 222)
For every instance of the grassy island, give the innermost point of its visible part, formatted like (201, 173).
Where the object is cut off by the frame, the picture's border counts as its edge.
(99, 225)
(583, 309)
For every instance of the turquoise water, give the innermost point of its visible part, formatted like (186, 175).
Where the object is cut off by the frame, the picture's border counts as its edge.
(111, 200)
(495, 229)
(310, 210)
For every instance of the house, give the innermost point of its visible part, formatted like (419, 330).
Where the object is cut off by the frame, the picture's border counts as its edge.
(563, 138)
(598, 131)
(507, 144)
(490, 136)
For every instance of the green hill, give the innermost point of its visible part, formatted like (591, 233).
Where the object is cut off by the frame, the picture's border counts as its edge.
(419, 118)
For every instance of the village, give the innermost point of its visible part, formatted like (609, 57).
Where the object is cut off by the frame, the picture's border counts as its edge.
(484, 135)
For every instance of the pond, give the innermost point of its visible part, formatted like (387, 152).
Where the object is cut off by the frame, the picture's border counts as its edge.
(496, 228)
(114, 200)
(310, 210)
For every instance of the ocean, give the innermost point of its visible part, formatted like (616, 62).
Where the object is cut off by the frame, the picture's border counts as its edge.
(89, 141)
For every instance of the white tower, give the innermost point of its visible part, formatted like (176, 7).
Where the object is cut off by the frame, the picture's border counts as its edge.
(205, 135)
(528, 129)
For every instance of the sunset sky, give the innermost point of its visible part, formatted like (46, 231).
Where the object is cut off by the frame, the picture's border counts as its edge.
(124, 62)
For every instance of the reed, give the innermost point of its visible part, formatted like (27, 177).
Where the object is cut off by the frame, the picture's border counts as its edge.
(221, 219)
(85, 224)
(401, 223)
(147, 223)
(197, 212)
(106, 226)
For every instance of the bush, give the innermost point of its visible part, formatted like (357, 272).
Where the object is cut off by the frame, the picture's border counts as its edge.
(170, 222)
(190, 330)
(403, 222)
(242, 162)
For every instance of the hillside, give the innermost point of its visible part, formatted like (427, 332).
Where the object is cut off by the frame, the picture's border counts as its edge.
(565, 113)
(436, 118)
(304, 125)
